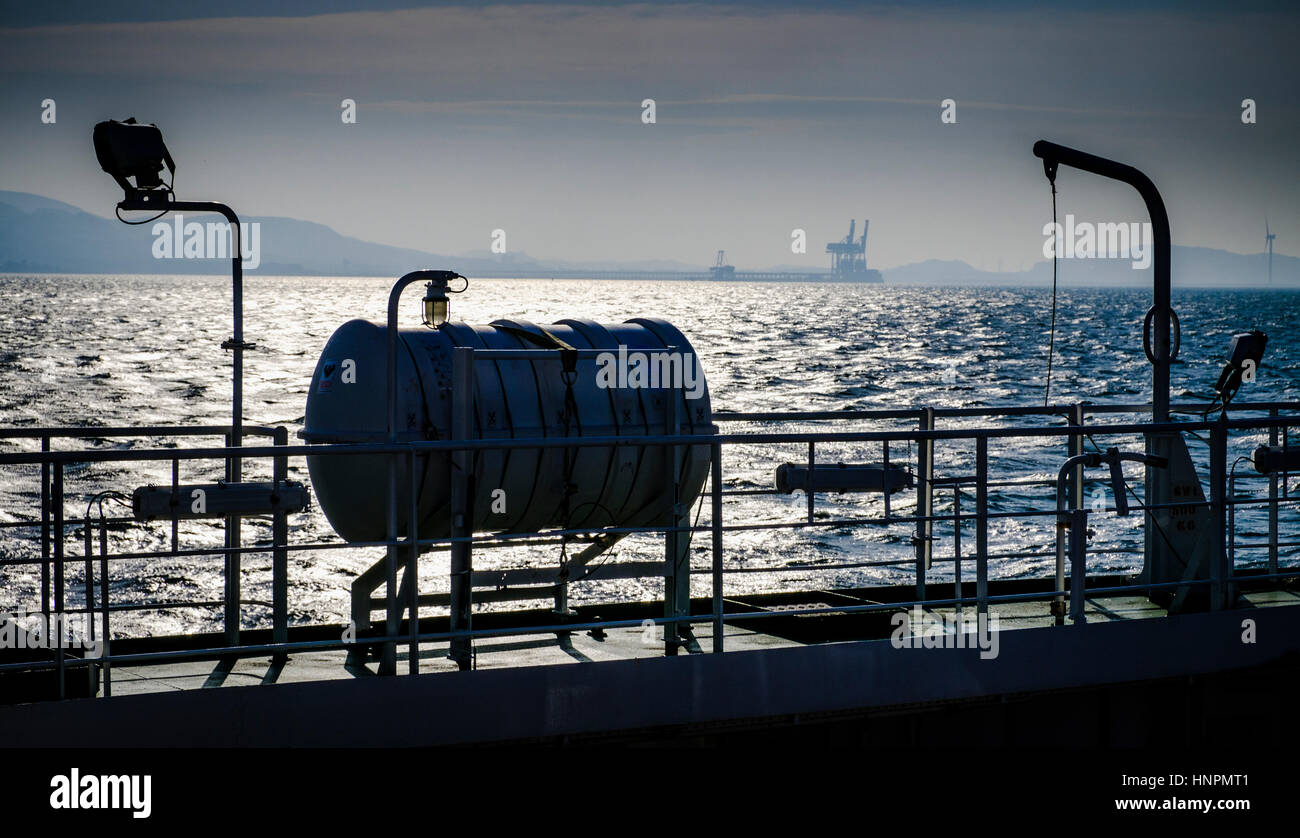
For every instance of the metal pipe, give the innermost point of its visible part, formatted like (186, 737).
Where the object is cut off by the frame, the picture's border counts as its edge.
(1220, 590)
(1272, 504)
(924, 497)
(142, 431)
(394, 297)
(372, 448)
(956, 543)
(1063, 523)
(982, 525)
(107, 667)
(57, 500)
(964, 412)
(462, 429)
(677, 585)
(45, 528)
(1078, 564)
(1066, 520)
(812, 468)
(176, 479)
(715, 465)
(1076, 419)
(388, 662)
(232, 562)
(1160, 314)
(236, 343)
(884, 465)
(279, 541)
(234, 464)
(413, 572)
(1053, 155)
(87, 551)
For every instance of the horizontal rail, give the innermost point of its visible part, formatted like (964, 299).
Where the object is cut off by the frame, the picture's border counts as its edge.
(1279, 567)
(260, 649)
(682, 440)
(1060, 410)
(82, 432)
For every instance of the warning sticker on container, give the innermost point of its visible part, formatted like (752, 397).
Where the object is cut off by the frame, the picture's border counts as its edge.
(327, 369)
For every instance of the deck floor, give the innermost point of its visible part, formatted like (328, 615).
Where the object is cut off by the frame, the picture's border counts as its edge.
(576, 647)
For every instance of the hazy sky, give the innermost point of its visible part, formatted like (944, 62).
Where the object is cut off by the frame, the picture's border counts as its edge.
(770, 117)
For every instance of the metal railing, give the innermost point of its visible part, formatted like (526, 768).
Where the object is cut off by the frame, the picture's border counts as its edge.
(962, 454)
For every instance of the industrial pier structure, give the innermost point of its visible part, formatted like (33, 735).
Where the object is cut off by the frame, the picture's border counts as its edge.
(849, 258)
(848, 264)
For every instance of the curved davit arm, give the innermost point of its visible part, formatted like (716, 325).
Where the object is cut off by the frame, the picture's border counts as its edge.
(1054, 155)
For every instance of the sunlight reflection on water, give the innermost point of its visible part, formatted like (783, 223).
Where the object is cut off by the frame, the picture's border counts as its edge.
(90, 351)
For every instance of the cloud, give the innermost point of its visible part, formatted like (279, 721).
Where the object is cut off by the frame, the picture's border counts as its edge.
(768, 118)
(691, 54)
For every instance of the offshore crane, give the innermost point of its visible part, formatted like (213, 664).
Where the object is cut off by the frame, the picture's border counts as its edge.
(720, 269)
(849, 257)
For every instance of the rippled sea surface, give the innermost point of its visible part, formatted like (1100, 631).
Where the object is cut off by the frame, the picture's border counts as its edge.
(108, 351)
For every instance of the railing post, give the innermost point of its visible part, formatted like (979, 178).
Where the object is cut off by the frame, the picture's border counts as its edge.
(982, 524)
(462, 425)
(1272, 502)
(57, 501)
(388, 655)
(45, 528)
(924, 500)
(106, 666)
(884, 481)
(1075, 486)
(232, 562)
(361, 592)
(176, 502)
(1078, 564)
(1220, 587)
(88, 556)
(811, 494)
(279, 546)
(1074, 500)
(956, 544)
(677, 586)
(716, 514)
(1232, 521)
(413, 571)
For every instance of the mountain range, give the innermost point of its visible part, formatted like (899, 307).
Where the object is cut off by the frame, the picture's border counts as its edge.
(42, 235)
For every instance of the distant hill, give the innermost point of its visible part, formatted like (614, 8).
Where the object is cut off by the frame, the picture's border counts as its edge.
(28, 202)
(1189, 267)
(42, 235)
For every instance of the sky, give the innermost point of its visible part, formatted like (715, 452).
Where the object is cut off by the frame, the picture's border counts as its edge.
(770, 117)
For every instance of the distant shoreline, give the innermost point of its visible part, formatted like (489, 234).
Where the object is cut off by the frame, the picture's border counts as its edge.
(669, 277)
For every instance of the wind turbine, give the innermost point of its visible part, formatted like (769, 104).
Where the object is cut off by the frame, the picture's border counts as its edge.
(1268, 240)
